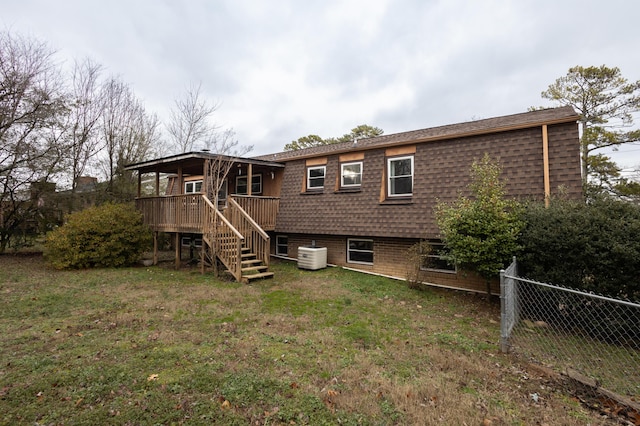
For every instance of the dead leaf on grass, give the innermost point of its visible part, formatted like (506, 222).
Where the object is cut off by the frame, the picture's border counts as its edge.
(225, 405)
(152, 378)
(273, 411)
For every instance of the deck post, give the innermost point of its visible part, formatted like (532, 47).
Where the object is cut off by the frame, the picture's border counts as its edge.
(178, 250)
(202, 249)
(155, 247)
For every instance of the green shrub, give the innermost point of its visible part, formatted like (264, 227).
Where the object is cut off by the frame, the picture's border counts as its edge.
(104, 236)
(593, 247)
(481, 232)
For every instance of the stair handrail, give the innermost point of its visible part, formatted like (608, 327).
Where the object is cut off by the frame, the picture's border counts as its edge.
(253, 223)
(221, 216)
(233, 263)
(262, 252)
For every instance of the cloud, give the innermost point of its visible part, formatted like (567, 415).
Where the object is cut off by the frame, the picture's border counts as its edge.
(284, 68)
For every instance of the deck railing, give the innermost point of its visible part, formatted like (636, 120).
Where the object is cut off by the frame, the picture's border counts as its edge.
(178, 213)
(255, 237)
(184, 213)
(263, 210)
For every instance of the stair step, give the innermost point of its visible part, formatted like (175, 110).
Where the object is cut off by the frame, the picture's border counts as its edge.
(250, 262)
(255, 268)
(248, 255)
(245, 249)
(256, 276)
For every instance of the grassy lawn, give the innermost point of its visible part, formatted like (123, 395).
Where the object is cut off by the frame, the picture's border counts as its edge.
(158, 346)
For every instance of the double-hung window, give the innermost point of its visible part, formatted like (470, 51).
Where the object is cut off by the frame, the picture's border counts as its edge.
(360, 251)
(256, 184)
(400, 176)
(351, 175)
(315, 177)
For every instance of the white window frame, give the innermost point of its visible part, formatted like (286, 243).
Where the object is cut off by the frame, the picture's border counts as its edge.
(392, 160)
(279, 244)
(186, 241)
(349, 250)
(257, 177)
(342, 174)
(324, 176)
(452, 269)
(192, 184)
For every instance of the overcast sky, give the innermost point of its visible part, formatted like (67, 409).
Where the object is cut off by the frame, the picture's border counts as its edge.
(285, 69)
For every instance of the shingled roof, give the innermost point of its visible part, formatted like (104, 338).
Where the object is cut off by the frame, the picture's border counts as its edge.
(469, 128)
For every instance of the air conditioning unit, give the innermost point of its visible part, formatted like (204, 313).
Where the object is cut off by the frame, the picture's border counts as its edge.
(311, 257)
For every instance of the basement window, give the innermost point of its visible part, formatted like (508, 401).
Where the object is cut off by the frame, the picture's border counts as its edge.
(437, 259)
(282, 245)
(191, 241)
(360, 251)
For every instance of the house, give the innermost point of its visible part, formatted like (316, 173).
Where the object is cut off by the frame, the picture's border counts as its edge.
(369, 200)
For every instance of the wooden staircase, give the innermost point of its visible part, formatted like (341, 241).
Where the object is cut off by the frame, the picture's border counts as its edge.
(237, 241)
(252, 267)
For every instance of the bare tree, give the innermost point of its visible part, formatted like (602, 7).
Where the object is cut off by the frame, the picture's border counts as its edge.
(113, 121)
(31, 114)
(87, 106)
(129, 133)
(190, 120)
(228, 149)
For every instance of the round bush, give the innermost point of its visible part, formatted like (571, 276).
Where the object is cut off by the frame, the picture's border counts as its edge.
(105, 236)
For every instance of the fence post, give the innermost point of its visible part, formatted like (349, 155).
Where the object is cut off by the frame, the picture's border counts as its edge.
(504, 337)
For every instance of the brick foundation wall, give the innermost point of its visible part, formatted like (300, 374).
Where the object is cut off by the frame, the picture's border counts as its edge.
(389, 258)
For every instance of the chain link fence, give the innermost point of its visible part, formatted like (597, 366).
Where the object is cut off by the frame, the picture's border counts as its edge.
(579, 334)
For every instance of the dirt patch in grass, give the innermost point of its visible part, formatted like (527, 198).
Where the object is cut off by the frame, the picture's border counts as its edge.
(150, 345)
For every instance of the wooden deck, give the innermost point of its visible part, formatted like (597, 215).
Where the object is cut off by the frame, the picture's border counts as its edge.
(186, 213)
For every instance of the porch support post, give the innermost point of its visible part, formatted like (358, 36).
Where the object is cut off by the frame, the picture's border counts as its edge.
(155, 247)
(157, 184)
(249, 178)
(178, 250)
(139, 183)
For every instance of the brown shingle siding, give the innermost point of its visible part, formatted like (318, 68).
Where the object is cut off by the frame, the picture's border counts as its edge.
(441, 172)
(565, 156)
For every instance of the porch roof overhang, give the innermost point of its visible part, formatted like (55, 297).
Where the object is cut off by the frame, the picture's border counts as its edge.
(191, 163)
